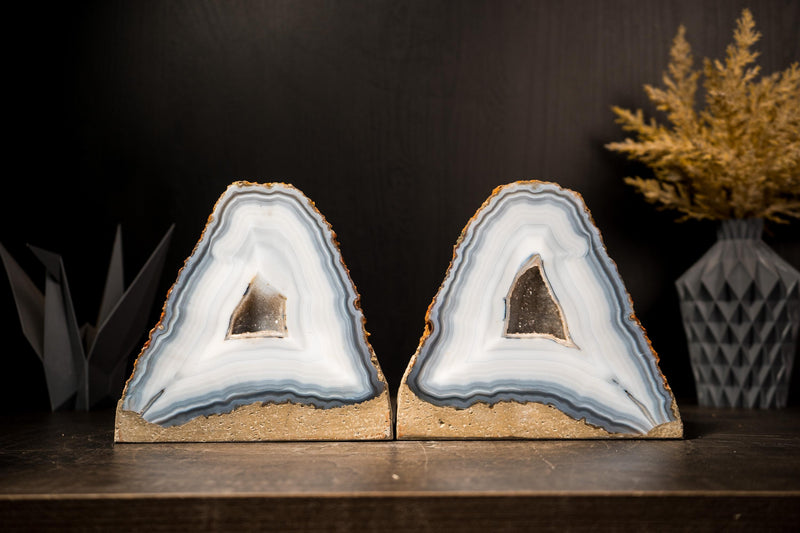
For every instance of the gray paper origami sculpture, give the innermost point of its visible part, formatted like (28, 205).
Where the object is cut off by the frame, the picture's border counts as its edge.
(83, 365)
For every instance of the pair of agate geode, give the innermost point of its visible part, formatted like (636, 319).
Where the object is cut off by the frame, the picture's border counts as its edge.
(532, 334)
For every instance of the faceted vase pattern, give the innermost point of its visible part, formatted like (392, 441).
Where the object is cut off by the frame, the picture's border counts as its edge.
(740, 305)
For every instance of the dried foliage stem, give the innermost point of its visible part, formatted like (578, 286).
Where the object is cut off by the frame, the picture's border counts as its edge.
(739, 157)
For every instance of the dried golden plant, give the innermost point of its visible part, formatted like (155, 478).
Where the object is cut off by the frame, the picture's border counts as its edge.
(737, 158)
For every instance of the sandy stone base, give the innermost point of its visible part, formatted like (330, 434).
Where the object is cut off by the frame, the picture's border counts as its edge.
(370, 420)
(420, 420)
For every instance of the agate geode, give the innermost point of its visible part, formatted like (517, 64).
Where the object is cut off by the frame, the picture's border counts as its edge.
(261, 337)
(532, 333)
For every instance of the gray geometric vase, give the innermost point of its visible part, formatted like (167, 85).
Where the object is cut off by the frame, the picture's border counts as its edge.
(740, 305)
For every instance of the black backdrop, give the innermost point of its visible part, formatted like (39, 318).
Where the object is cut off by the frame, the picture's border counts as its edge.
(397, 118)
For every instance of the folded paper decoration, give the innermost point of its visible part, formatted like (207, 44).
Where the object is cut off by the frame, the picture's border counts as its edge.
(532, 334)
(87, 364)
(261, 337)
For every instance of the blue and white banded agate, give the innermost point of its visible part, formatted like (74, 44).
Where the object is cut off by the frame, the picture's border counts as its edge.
(196, 365)
(605, 373)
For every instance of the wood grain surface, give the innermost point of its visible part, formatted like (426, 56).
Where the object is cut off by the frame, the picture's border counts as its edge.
(736, 469)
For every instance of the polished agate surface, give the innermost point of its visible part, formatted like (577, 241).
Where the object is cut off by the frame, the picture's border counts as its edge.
(263, 311)
(533, 310)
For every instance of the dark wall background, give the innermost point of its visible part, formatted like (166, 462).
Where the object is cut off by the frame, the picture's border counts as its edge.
(397, 118)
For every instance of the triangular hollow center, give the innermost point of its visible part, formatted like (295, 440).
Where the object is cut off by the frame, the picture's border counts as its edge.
(260, 313)
(531, 307)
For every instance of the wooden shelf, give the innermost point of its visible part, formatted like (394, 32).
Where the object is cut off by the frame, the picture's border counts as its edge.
(736, 469)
